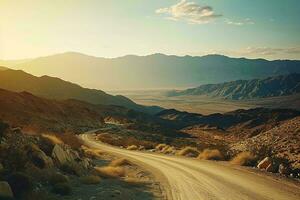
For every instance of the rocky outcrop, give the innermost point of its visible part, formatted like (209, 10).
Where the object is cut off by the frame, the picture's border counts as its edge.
(5, 191)
(38, 157)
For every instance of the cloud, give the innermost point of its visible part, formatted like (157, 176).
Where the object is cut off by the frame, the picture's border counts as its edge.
(267, 51)
(239, 23)
(190, 12)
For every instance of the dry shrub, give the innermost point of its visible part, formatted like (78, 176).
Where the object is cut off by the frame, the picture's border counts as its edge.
(210, 154)
(159, 147)
(169, 150)
(128, 141)
(243, 159)
(62, 188)
(92, 153)
(56, 178)
(52, 138)
(90, 180)
(110, 172)
(188, 151)
(120, 162)
(132, 147)
(70, 139)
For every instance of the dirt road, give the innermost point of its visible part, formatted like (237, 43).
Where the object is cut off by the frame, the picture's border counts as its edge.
(190, 179)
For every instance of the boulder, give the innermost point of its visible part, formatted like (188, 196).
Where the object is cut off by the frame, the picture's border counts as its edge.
(265, 163)
(5, 191)
(38, 157)
(62, 154)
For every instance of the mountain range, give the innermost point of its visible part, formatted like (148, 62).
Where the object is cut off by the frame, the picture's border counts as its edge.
(152, 71)
(247, 89)
(55, 88)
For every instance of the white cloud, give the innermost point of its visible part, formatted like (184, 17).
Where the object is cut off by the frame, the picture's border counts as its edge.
(271, 51)
(190, 12)
(239, 23)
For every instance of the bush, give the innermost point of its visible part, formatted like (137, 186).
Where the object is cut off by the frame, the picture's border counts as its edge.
(92, 153)
(188, 151)
(56, 178)
(72, 168)
(159, 147)
(62, 189)
(110, 172)
(20, 183)
(90, 180)
(71, 139)
(132, 147)
(120, 162)
(243, 159)
(210, 154)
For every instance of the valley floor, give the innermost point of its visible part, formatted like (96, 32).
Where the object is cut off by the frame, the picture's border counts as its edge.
(185, 178)
(207, 105)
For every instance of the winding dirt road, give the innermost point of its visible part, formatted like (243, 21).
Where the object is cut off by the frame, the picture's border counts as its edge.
(190, 179)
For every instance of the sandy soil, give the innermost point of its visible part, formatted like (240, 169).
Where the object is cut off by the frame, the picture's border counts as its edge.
(184, 178)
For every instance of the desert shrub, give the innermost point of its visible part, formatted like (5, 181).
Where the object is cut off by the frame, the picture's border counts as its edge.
(132, 147)
(244, 159)
(90, 180)
(92, 153)
(56, 178)
(159, 147)
(70, 139)
(62, 188)
(120, 162)
(52, 138)
(20, 183)
(188, 151)
(169, 150)
(110, 172)
(72, 168)
(210, 154)
(128, 141)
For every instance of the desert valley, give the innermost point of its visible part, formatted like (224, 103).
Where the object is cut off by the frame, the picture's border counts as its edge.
(149, 100)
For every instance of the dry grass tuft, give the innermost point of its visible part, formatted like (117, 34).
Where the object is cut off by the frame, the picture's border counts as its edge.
(188, 151)
(52, 138)
(243, 159)
(211, 154)
(132, 147)
(110, 172)
(92, 153)
(120, 162)
(90, 180)
(159, 147)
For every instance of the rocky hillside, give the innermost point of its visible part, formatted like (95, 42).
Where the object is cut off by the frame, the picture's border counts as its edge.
(153, 71)
(55, 88)
(283, 141)
(241, 123)
(247, 89)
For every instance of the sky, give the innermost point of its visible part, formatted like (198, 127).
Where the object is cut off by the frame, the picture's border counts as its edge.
(111, 28)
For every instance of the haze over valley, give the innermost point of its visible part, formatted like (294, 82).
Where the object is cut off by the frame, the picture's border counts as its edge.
(149, 100)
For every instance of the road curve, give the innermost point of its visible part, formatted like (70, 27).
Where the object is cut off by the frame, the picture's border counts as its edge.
(190, 179)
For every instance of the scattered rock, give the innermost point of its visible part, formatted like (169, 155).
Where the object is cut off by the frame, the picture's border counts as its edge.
(5, 191)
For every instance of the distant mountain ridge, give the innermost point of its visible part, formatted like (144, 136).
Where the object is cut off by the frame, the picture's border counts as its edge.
(247, 89)
(55, 88)
(153, 71)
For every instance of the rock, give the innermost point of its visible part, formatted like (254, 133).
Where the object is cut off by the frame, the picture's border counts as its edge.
(271, 168)
(63, 154)
(265, 163)
(5, 191)
(283, 169)
(38, 157)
